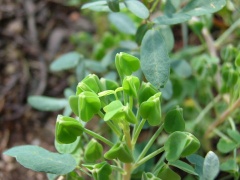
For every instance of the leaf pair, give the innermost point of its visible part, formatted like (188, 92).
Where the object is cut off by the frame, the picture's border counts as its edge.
(180, 144)
(85, 105)
(120, 151)
(151, 110)
(118, 112)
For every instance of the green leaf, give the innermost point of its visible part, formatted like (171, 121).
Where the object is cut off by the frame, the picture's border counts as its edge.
(183, 166)
(180, 144)
(235, 135)
(182, 68)
(167, 33)
(154, 58)
(67, 148)
(89, 104)
(44, 103)
(123, 23)
(172, 19)
(66, 61)
(41, 160)
(167, 91)
(198, 162)
(113, 5)
(149, 176)
(174, 120)
(226, 145)
(95, 66)
(142, 29)
(67, 129)
(94, 4)
(230, 166)
(201, 7)
(210, 166)
(137, 8)
(167, 173)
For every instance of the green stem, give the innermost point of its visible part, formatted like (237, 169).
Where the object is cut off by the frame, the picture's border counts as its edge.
(137, 132)
(150, 143)
(111, 125)
(131, 102)
(226, 34)
(206, 110)
(150, 156)
(99, 137)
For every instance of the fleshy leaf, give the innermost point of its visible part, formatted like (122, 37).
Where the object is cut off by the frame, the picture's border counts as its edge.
(41, 160)
(137, 8)
(154, 58)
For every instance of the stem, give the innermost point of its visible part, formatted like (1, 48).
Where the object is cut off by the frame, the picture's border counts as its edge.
(150, 142)
(111, 125)
(226, 34)
(210, 42)
(137, 132)
(97, 136)
(150, 156)
(127, 166)
(206, 109)
(222, 118)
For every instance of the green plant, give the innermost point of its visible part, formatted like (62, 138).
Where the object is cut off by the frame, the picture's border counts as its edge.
(125, 109)
(203, 79)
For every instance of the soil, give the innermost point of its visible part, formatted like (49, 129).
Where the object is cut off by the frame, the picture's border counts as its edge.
(32, 34)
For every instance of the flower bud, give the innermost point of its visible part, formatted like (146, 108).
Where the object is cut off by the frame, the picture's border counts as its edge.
(146, 91)
(126, 64)
(89, 83)
(131, 85)
(120, 151)
(93, 151)
(67, 129)
(151, 110)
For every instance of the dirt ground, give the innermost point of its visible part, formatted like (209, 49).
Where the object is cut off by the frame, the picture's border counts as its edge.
(32, 34)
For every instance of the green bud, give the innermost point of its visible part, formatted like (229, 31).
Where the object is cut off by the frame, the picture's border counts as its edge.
(174, 120)
(131, 85)
(167, 173)
(129, 115)
(230, 77)
(93, 151)
(73, 102)
(126, 64)
(146, 91)
(180, 144)
(149, 176)
(100, 171)
(89, 104)
(151, 110)
(120, 151)
(67, 129)
(89, 83)
(228, 53)
(196, 25)
(113, 5)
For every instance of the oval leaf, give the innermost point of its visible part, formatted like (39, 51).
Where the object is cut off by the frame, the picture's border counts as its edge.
(172, 19)
(210, 166)
(113, 5)
(123, 23)
(183, 166)
(138, 8)
(41, 160)
(44, 103)
(154, 58)
(66, 61)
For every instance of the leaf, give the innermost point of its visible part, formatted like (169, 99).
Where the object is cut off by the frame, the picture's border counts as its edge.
(44, 103)
(167, 91)
(67, 148)
(123, 23)
(154, 58)
(198, 162)
(66, 61)
(137, 8)
(167, 33)
(94, 4)
(225, 146)
(174, 120)
(183, 166)
(235, 135)
(230, 166)
(95, 66)
(210, 166)
(113, 5)
(41, 160)
(181, 68)
(201, 7)
(172, 19)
